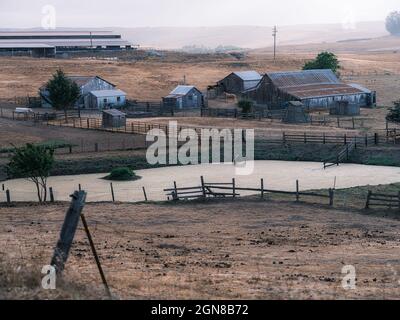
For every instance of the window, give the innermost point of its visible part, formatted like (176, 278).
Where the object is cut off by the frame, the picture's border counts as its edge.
(119, 99)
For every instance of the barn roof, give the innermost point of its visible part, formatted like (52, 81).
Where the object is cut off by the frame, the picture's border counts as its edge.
(107, 93)
(181, 90)
(312, 84)
(248, 75)
(306, 77)
(114, 112)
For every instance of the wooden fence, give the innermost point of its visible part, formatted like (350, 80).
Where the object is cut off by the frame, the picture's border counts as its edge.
(343, 154)
(383, 200)
(330, 139)
(230, 190)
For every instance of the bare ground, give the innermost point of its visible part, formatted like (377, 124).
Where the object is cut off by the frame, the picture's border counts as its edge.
(236, 250)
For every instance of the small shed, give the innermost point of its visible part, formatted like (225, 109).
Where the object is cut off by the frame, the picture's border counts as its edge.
(345, 108)
(237, 82)
(295, 113)
(184, 97)
(113, 118)
(102, 99)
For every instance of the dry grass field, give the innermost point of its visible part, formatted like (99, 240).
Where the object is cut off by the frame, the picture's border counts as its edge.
(152, 78)
(247, 249)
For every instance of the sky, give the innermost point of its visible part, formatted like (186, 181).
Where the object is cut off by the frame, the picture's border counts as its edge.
(189, 13)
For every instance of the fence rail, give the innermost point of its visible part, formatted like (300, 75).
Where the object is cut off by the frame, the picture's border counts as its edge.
(230, 190)
(383, 200)
(343, 154)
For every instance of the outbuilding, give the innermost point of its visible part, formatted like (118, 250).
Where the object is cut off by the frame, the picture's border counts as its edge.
(184, 97)
(239, 81)
(113, 118)
(316, 89)
(103, 99)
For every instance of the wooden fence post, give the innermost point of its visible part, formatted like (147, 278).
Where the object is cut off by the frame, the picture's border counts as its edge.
(145, 194)
(331, 196)
(368, 199)
(112, 192)
(51, 195)
(262, 188)
(8, 196)
(203, 188)
(68, 230)
(234, 187)
(297, 191)
(398, 196)
(2, 187)
(376, 138)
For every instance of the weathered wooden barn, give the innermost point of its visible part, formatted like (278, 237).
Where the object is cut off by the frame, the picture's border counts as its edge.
(184, 97)
(316, 89)
(113, 118)
(102, 99)
(239, 81)
(86, 85)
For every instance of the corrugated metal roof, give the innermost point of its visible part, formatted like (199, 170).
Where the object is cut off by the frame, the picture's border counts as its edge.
(248, 75)
(12, 45)
(307, 77)
(360, 87)
(182, 90)
(319, 91)
(108, 93)
(68, 42)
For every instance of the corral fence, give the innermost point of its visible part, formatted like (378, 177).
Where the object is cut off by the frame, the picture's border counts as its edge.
(231, 189)
(148, 109)
(304, 138)
(390, 201)
(342, 155)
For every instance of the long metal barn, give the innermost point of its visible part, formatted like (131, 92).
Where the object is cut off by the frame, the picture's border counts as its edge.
(49, 43)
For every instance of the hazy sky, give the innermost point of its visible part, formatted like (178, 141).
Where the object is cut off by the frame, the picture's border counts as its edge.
(134, 13)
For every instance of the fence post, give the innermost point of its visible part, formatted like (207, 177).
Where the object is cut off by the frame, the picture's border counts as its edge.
(297, 191)
(145, 194)
(234, 187)
(305, 137)
(51, 195)
(262, 188)
(376, 138)
(368, 199)
(8, 196)
(331, 196)
(175, 195)
(284, 137)
(203, 188)
(354, 124)
(112, 192)
(2, 187)
(338, 122)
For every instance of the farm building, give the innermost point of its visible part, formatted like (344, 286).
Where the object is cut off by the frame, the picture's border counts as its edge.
(316, 89)
(48, 43)
(86, 84)
(295, 113)
(344, 108)
(102, 99)
(184, 97)
(113, 118)
(237, 82)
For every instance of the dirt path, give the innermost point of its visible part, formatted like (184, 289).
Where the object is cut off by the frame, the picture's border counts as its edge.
(278, 175)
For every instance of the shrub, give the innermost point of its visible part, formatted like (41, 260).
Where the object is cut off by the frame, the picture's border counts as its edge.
(394, 113)
(245, 105)
(121, 174)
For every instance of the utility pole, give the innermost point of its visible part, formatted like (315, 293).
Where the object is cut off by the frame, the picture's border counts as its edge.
(274, 33)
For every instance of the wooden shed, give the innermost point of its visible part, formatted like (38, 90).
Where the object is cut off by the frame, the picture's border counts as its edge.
(295, 113)
(239, 81)
(113, 118)
(184, 97)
